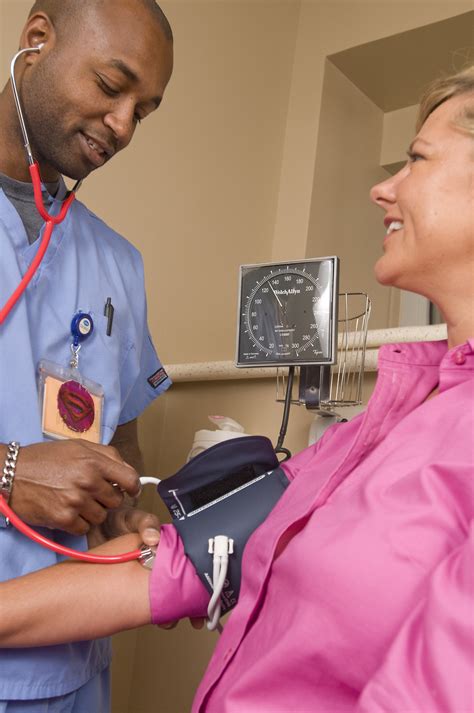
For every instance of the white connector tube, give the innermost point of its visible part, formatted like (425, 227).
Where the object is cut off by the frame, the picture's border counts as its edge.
(220, 547)
(146, 481)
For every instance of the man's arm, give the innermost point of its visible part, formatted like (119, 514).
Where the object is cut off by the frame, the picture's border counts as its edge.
(125, 440)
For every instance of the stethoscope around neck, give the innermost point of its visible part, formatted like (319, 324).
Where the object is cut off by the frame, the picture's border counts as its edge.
(51, 220)
(144, 553)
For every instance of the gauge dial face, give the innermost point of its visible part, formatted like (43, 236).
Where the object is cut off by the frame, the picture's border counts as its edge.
(287, 313)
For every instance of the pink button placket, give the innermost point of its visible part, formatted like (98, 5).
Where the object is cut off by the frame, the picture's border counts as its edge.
(459, 357)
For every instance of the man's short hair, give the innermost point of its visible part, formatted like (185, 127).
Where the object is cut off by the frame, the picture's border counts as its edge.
(65, 13)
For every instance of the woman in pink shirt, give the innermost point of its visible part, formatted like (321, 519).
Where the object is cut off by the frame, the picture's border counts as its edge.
(357, 589)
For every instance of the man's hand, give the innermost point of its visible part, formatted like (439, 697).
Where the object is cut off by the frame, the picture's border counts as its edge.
(127, 519)
(69, 485)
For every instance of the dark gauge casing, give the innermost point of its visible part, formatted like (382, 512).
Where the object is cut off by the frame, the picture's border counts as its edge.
(288, 313)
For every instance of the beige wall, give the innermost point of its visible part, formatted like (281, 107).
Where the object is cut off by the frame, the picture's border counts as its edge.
(254, 155)
(204, 172)
(343, 221)
(397, 134)
(326, 27)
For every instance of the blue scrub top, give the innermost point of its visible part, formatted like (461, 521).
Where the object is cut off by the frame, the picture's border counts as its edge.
(86, 263)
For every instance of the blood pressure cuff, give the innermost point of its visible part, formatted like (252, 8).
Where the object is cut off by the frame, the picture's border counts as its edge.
(228, 489)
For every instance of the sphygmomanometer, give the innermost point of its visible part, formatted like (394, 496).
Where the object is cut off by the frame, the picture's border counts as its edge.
(217, 500)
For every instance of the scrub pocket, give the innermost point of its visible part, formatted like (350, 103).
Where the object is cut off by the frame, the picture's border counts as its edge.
(105, 360)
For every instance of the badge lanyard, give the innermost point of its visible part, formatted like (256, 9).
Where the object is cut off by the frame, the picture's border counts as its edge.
(71, 405)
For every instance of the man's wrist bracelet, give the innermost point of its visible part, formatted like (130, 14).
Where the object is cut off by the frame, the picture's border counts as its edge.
(8, 474)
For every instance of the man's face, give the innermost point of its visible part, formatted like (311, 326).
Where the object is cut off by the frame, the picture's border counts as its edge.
(84, 97)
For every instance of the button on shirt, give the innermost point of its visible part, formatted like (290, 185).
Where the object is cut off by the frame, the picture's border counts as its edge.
(357, 590)
(86, 263)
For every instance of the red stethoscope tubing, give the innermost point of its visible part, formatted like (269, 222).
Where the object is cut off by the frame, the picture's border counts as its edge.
(54, 219)
(60, 549)
(51, 221)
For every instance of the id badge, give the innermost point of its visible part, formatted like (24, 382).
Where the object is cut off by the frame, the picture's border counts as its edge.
(71, 405)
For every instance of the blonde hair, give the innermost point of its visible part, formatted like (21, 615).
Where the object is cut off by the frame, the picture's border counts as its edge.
(445, 88)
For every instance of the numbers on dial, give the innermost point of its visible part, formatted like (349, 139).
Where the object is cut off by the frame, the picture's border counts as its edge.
(279, 313)
(286, 312)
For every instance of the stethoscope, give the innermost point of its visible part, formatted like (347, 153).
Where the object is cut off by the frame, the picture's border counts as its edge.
(51, 220)
(145, 553)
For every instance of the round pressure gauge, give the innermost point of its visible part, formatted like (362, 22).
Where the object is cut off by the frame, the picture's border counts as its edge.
(288, 313)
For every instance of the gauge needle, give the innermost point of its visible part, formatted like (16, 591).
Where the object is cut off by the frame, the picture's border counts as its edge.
(277, 298)
(284, 320)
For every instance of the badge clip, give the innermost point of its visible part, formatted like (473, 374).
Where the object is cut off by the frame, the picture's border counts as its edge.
(71, 404)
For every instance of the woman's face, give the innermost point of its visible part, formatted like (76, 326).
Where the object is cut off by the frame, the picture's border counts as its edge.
(429, 216)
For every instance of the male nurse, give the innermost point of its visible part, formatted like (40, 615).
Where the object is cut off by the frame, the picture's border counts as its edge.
(102, 68)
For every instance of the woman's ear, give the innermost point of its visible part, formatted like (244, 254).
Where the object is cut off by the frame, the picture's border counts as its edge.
(38, 32)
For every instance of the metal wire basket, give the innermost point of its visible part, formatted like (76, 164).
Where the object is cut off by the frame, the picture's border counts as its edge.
(341, 384)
